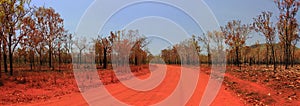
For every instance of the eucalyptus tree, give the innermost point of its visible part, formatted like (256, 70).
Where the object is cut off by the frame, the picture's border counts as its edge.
(287, 26)
(264, 25)
(236, 35)
(14, 11)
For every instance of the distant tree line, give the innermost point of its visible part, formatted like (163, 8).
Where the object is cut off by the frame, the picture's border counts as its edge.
(120, 47)
(117, 48)
(235, 35)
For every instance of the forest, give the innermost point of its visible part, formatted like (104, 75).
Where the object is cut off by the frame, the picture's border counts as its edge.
(34, 40)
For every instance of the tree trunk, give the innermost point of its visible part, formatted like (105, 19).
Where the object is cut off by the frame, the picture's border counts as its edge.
(105, 58)
(289, 55)
(209, 59)
(136, 59)
(41, 61)
(274, 58)
(267, 55)
(10, 54)
(79, 59)
(50, 57)
(286, 58)
(100, 60)
(233, 62)
(250, 61)
(59, 59)
(286, 55)
(31, 60)
(282, 56)
(208, 55)
(237, 61)
(5, 58)
(0, 61)
(293, 56)
(11, 63)
(258, 57)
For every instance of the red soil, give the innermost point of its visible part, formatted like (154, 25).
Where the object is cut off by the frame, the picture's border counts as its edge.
(156, 95)
(238, 89)
(259, 87)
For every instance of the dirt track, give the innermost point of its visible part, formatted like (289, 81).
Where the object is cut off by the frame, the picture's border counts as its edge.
(167, 86)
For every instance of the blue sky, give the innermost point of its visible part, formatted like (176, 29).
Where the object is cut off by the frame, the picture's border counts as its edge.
(224, 10)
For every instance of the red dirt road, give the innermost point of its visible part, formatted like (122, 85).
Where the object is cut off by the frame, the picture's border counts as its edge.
(156, 95)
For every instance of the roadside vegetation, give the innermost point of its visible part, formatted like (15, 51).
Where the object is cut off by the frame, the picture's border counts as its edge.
(37, 55)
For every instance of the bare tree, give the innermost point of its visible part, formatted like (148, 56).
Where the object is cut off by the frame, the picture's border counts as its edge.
(287, 26)
(236, 35)
(205, 40)
(217, 46)
(264, 25)
(81, 44)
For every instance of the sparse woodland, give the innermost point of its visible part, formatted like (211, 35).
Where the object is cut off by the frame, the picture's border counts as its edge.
(235, 34)
(34, 41)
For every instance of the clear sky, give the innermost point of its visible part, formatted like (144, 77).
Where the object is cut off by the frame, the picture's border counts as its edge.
(224, 10)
